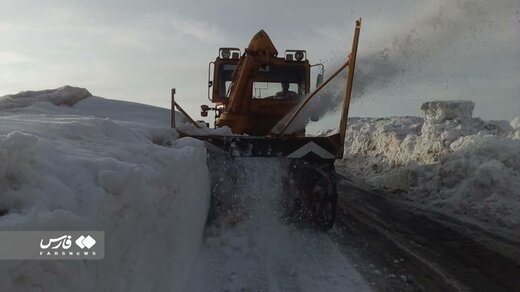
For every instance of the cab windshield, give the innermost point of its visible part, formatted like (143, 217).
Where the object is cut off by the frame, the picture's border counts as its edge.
(268, 81)
(275, 90)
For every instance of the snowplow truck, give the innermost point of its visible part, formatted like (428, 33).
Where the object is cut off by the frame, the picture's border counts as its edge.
(258, 95)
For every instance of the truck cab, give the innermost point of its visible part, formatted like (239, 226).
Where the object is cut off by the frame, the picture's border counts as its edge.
(272, 91)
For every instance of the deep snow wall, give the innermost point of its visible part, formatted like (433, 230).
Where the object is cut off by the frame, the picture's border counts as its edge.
(68, 165)
(446, 160)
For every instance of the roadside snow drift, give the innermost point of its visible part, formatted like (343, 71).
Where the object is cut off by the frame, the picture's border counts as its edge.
(71, 161)
(448, 160)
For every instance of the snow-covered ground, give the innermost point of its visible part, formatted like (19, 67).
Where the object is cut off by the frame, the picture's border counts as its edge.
(71, 161)
(256, 252)
(447, 160)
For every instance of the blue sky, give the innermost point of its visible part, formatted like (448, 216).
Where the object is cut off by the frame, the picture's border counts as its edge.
(410, 51)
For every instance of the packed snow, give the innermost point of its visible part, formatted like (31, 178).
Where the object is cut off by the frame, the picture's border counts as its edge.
(447, 160)
(71, 161)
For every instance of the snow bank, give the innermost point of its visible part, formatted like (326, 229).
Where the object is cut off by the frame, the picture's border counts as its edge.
(93, 165)
(480, 179)
(66, 95)
(515, 123)
(448, 160)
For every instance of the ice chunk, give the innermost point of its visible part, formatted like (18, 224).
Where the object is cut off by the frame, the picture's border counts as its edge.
(438, 112)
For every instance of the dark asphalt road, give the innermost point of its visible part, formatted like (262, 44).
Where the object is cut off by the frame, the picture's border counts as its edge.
(397, 248)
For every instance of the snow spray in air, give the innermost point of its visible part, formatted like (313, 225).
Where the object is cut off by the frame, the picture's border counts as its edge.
(432, 27)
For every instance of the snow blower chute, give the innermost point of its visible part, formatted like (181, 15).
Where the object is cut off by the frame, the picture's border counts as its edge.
(258, 95)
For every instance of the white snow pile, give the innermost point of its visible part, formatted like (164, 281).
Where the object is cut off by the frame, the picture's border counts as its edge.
(448, 160)
(71, 161)
(66, 95)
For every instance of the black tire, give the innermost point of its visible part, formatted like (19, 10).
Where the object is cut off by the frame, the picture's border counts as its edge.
(325, 212)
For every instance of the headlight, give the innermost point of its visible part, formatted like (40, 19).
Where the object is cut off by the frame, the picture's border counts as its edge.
(298, 55)
(226, 54)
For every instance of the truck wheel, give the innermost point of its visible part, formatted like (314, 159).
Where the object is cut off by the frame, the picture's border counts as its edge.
(325, 211)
